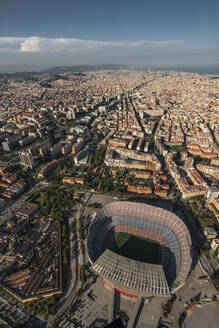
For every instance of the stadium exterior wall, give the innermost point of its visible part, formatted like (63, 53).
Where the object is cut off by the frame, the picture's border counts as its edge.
(141, 216)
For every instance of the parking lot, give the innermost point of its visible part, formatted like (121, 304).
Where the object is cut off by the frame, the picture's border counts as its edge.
(205, 317)
(89, 311)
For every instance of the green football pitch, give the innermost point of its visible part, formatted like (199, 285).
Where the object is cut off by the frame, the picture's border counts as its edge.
(137, 248)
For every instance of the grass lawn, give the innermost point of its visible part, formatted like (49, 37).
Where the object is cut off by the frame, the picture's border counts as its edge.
(137, 248)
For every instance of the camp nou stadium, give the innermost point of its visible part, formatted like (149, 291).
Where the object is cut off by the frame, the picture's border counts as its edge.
(137, 275)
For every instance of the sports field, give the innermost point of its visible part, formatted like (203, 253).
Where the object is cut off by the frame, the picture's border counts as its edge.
(137, 248)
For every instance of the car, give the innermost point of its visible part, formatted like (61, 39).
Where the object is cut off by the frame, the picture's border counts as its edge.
(200, 304)
(203, 277)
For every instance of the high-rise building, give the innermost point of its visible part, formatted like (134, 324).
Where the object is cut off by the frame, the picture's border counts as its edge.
(27, 159)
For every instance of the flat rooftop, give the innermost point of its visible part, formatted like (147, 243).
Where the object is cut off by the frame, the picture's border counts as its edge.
(27, 209)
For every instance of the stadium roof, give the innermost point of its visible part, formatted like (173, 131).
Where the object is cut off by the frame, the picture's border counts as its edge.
(138, 277)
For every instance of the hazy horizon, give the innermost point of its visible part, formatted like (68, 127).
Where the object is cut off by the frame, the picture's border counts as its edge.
(211, 69)
(39, 35)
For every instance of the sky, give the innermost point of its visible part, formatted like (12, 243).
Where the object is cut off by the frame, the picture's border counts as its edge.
(35, 35)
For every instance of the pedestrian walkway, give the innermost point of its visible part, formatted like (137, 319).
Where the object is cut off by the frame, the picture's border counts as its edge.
(136, 313)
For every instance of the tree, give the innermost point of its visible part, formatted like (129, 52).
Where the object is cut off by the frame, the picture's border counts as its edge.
(99, 156)
(83, 275)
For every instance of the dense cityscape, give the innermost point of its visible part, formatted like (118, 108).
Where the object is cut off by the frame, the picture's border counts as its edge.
(72, 143)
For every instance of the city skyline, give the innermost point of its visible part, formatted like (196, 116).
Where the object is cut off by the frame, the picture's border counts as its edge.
(40, 35)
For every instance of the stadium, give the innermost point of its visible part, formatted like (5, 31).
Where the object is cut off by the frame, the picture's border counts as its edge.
(138, 276)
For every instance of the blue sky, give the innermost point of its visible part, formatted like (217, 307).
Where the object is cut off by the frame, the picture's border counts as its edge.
(39, 34)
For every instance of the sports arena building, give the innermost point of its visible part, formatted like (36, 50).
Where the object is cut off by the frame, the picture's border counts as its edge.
(135, 278)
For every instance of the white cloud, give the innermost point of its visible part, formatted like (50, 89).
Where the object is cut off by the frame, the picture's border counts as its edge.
(10, 43)
(38, 44)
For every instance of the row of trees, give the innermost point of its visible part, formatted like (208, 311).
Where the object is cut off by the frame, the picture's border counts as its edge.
(99, 156)
(83, 273)
(80, 229)
(167, 308)
(65, 244)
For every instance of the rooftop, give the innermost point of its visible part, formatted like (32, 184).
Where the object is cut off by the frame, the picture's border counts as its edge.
(27, 209)
(134, 275)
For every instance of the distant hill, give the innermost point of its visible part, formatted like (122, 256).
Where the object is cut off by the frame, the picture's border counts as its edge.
(55, 77)
(76, 70)
(28, 76)
(84, 68)
(55, 73)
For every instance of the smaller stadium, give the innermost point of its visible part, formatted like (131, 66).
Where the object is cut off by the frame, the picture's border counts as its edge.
(139, 250)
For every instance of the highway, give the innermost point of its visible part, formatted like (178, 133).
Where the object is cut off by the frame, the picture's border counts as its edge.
(71, 293)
